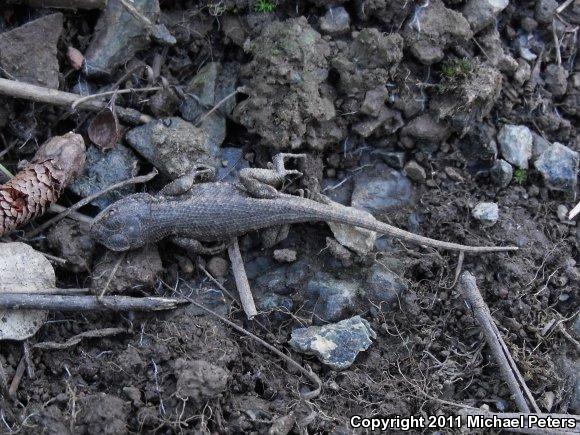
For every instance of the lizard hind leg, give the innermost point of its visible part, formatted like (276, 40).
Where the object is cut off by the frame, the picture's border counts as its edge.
(263, 183)
(274, 235)
(182, 185)
(195, 247)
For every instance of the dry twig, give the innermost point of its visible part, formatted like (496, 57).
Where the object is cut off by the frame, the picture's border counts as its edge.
(97, 333)
(241, 278)
(468, 289)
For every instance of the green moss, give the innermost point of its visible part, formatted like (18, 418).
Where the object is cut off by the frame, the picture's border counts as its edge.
(264, 6)
(520, 176)
(457, 69)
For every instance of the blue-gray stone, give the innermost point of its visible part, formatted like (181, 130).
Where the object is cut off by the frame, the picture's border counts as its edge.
(335, 21)
(487, 213)
(336, 345)
(103, 169)
(333, 299)
(384, 287)
(515, 142)
(381, 190)
(559, 167)
(502, 173)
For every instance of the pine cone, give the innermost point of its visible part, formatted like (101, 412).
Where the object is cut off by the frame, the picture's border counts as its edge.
(40, 183)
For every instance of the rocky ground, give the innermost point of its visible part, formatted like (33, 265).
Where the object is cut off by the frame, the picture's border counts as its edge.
(454, 119)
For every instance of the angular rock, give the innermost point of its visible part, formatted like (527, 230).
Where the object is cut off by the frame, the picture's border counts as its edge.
(490, 41)
(199, 380)
(138, 270)
(360, 240)
(482, 13)
(559, 167)
(381, 189)
(103, 169)
(479, 143)
(384, 287)
(388, 121)
(544, 12)
(424, 129)
(539, 145)
(119, 35)
(333, 299)
(285, 255)
(432, 29)
(28, 53)
(515, 142)
(487, 213)
(394, 159)
(556, 79)
(175, 146)
(415, 171)
(502, 173)
(336, 345)
(71, 242)
(335, 21)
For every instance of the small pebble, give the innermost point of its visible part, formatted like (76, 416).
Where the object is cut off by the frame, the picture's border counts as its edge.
(415, 171)
(285, 255)
(218, 267)
(562, 213)
(487, 213)
(453, 173)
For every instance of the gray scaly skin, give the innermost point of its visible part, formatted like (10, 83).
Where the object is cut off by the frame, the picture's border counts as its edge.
(217, 211)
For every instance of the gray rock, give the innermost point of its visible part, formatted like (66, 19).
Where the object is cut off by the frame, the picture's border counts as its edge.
(162, 36)
(285, 255)
(119, 35)
(515, 142)
(335, 21)
(381, 190)
(28, 53)
(388, 121)
(284, 279)
(175, 146)
(374, 101)
(487, 213)
(333, 299)
(415, 171)
(103, 169)
(544, 12)
(502, 173)
(424, 129)
(392, 158)
(556, 79)
(384, 287)
(336, 345)
(481, 13)
(559, 167)
(360, 240)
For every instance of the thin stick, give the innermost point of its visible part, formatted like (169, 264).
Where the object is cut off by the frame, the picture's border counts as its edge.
(136, 14)
(17, 377)
(63, 291)
(563, 6)
(556, 44)
(33, 301)
(119, 91)
(218, 105)
(79, 217)
(468, 289)
(574, 211)
(88, 199)
(54, 259)
(96, 333)
(28, 360)
(26, 91)
(241, 278)
(308, 373)
(3, 382)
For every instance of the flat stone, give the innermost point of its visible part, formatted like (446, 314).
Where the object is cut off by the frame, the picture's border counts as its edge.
(336, 345)
(175, 146)
(482, 13)
(381, 189)
(29, 52)
(415, 171)
(487, 213)
(515, 142)
(285, 255)
(424, 129)
(559, 167)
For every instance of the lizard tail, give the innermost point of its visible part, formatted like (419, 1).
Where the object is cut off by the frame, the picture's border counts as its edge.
(347, 215)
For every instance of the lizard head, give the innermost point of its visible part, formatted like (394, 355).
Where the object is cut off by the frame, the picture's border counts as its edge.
(123, 224)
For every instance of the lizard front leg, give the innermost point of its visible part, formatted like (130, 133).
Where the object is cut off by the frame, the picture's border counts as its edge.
(264, 183)
(195, 247)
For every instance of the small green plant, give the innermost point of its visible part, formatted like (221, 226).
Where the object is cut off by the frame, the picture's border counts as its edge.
(456, 69)
(265, 6)
(520, 176)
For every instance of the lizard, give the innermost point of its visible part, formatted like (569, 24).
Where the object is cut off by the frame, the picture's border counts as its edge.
(193, 212)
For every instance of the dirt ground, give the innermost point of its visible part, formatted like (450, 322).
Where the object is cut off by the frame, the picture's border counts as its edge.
(401, 109)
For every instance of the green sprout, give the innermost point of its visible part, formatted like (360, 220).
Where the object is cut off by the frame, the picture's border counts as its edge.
(520, 176)
(456, 69)
(265, 6)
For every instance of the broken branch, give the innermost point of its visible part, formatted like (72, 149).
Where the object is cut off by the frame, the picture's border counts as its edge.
(26, 91)
(241, 278)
